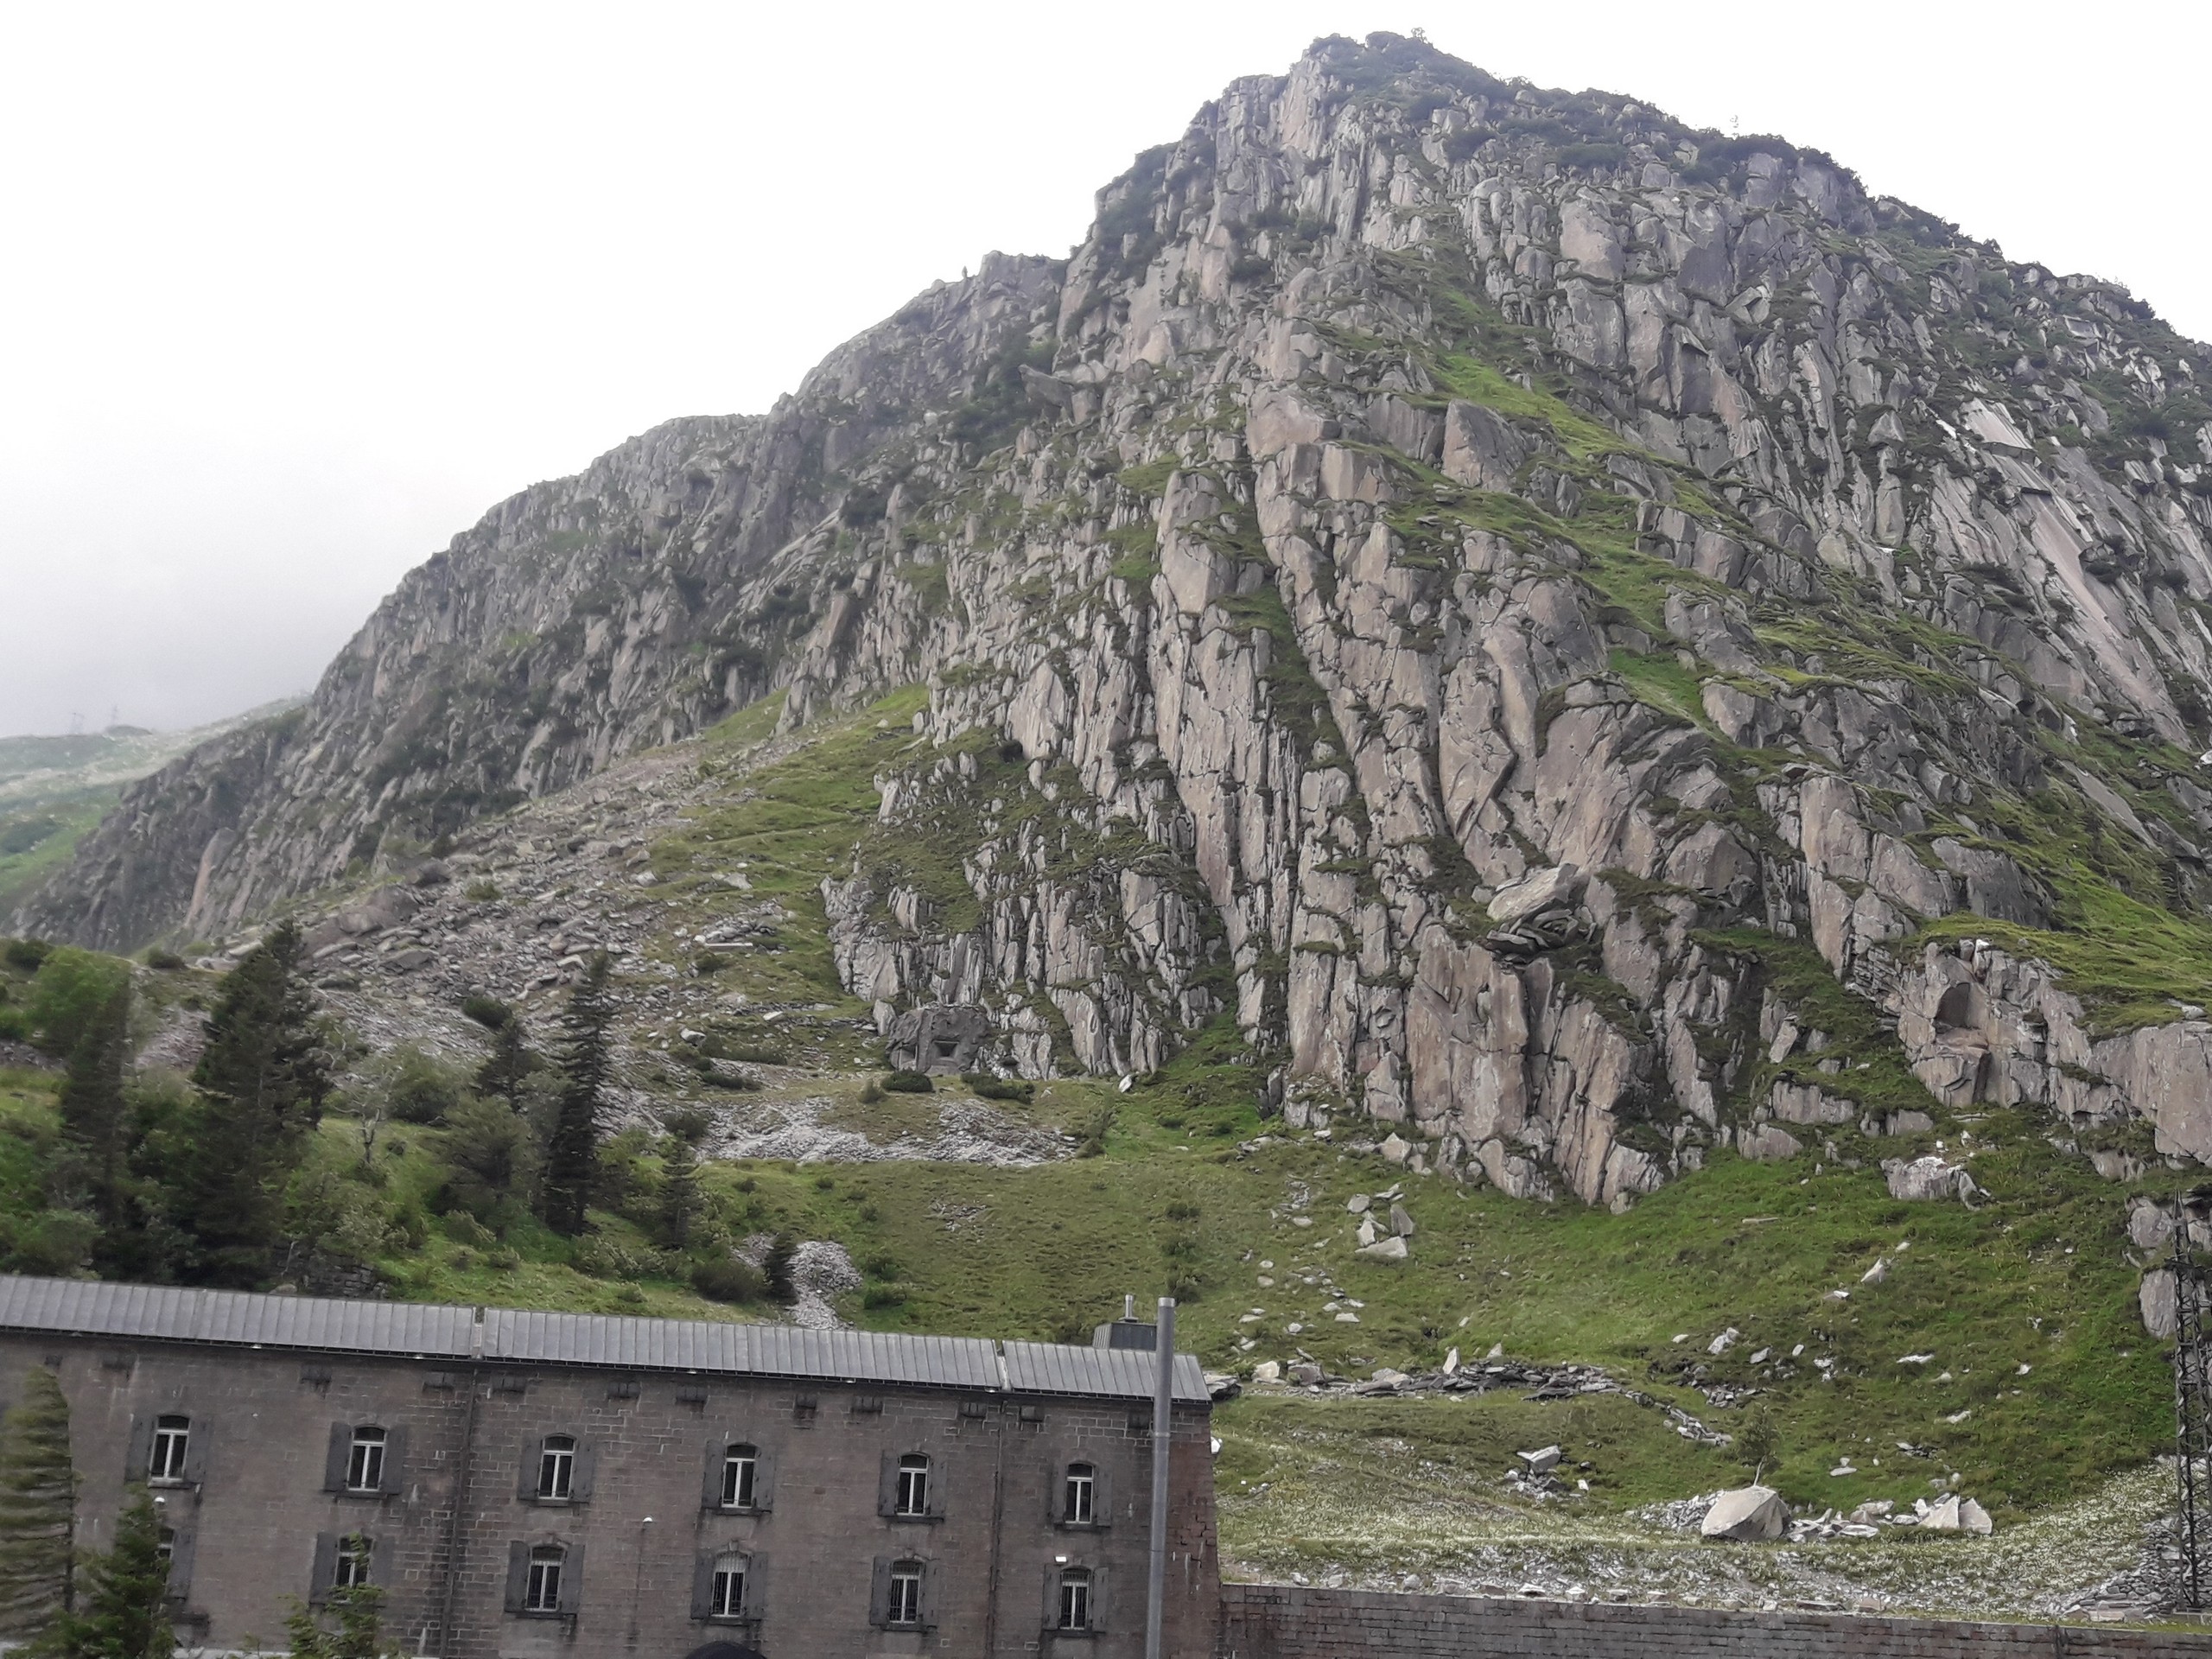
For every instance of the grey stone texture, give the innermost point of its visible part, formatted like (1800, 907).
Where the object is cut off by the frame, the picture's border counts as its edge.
(254, 1519)
(1276, 1622)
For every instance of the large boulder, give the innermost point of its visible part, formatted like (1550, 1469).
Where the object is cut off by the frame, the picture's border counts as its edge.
(1954, 1514)
(1747, 1516)
(1921, 1179)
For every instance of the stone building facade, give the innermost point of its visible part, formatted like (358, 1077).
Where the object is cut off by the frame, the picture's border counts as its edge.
(534, 1486)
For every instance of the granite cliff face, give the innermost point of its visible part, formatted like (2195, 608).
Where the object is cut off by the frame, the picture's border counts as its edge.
(1584, 640)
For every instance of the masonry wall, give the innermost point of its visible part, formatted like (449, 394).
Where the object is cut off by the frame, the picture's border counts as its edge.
(1278, 1622)
(249, 1516)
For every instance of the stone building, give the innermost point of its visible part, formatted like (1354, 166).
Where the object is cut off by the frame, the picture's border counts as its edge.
(530, 1485)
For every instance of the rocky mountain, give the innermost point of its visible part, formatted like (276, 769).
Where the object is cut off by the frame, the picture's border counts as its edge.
(1586, 641)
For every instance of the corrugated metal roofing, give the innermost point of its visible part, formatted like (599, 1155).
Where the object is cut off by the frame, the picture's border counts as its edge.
(769, 1349)
(240, 1318)
(1113, 1373)
(233, 1317)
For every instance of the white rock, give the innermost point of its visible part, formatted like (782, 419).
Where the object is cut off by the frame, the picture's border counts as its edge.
(1395, 1149)
(1747, 1515)
(1359, 1202)
(1542, 1461)
(1388, 1249)
(1267, 1370)
(1928, 1178)
(1723, 1342)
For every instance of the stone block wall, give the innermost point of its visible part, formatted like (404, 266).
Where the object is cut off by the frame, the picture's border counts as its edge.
(250, 1516)
(1280, 1622)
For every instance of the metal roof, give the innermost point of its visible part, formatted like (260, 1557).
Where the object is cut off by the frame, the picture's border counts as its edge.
(513, 1336)
(1113, 1373)
(769, 1349)
(238, 1319)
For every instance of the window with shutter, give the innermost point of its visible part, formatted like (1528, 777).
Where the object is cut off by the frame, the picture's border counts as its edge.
(726, 1595)
(905, 1606)
(1080, 1492)
(741, 1466)
(165, 1467)
(542, 1584)
(365, 1461)
(557, 1468)
(1075, 1599)
(351, 1569)
(912, 1496)
(395, 1459)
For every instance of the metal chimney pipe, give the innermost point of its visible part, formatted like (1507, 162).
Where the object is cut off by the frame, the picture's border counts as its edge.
(1163, 1400)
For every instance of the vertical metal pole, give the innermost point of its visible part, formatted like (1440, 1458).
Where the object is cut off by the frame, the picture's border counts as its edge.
(2192, 1407)
(1163, 1401)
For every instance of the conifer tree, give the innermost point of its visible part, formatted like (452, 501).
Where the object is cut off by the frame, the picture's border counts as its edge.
(355, 1630)
(123, 1612)
(572, 1150)
(262, 1081)
(38, 1503)
(681, 1200)
(508, 1066)
(94, 1119)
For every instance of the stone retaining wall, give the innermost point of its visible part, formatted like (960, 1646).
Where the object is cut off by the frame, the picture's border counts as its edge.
(1261, 1621)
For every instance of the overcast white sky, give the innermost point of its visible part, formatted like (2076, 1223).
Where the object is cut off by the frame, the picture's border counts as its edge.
(289, 294)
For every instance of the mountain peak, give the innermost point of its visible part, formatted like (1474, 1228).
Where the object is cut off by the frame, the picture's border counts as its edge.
(1590, 642)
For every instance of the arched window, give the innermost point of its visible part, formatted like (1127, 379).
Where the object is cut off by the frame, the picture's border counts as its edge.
(365, 1461)
(354, 1553)
(541, 1592)
(1075, 1599)
(740, 1473)
(557, 1469)
(912, 1496)
(1081, 1504)
(166, 1466)
(905, 1606)
(727, 1597)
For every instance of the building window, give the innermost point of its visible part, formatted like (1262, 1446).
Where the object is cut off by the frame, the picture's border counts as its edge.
(1075, 1599)
(905, 1605)
(556, 1470)
(352, 1571)
(728, 1598)
(740, 1466)
(364, 1463)
(946, 1048)
(542, 1592)
(165, 1467)
(913, 1494)
(166, 1549)
(1082, 1491)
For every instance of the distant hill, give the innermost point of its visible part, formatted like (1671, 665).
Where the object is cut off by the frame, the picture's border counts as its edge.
(55, 788)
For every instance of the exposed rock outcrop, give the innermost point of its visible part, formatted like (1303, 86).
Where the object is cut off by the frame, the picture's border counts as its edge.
(1486, 613)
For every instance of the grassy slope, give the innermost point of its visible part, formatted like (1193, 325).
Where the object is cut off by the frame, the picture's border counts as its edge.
(37, 840)
(2036, 1277)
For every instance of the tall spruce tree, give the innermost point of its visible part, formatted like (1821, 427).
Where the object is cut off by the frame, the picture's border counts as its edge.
(572, 1149)
(95, 1129)
(261, 1081)
(123, 1612)
(38, 1506)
